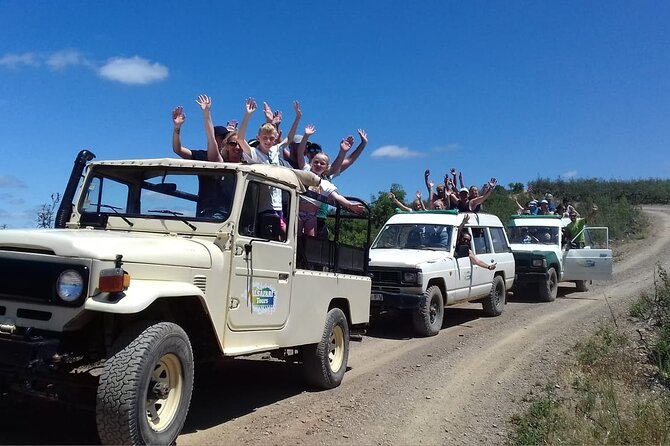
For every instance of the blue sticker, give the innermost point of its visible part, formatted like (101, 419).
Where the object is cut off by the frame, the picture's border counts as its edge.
(263, 299)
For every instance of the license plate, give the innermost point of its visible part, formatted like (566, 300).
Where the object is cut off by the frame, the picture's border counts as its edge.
(377, 297)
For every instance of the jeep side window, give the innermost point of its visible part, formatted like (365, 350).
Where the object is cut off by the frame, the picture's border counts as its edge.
(498, 239)
(262, 223)
(480, 241)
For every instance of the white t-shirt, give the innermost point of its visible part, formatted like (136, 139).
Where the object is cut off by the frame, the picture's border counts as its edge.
(270, 197)
(325, 188)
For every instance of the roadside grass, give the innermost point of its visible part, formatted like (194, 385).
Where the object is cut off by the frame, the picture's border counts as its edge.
(616, 390)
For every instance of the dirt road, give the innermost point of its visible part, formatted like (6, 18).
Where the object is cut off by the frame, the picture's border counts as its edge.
(459, 386)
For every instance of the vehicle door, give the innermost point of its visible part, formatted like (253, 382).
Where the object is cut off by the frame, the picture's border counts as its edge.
(482, 247)
(593, 262)
(262, 264)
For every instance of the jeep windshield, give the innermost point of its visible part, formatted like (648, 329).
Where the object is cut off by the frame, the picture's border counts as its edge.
(546, 235)
(131, 192)
(414, 236)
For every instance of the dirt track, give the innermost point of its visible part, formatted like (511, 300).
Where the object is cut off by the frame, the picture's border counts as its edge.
(460, 386)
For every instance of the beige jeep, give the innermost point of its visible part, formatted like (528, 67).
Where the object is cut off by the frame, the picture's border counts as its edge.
(143, 278)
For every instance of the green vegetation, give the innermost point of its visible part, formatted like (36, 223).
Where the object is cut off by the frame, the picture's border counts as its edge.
(611, 395)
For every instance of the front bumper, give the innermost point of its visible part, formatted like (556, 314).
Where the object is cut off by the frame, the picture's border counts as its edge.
(523, 277)
(382, 301)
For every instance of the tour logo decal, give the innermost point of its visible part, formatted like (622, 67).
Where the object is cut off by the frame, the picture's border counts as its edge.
(263, 298)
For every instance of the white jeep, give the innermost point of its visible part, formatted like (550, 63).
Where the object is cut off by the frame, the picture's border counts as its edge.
(145, 279)
(414, 266)
(543, 259)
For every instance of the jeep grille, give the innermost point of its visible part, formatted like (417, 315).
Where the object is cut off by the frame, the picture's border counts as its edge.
(35, 281)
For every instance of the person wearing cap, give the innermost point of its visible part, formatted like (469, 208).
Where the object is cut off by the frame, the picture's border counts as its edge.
(532, 207)
(465, 204)
(544, 208)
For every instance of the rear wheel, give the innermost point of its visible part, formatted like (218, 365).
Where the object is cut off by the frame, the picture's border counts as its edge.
(583, 285)
(495, 302)
(548, 289)
(427, 319)
(326, 362)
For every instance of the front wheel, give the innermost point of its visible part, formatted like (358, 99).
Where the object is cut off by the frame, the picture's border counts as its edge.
(583, 285)
(145, 387)
(427, 319)
(326, 362)
(549, 288)
(494, 303)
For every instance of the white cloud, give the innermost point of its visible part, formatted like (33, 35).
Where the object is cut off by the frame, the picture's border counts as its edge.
(394, 152)
(15, 60)
(7, 181)
(134, 71)
(569, 174)
(62, 59)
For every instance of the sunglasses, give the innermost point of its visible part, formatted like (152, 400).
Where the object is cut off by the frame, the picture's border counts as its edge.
(233, 144)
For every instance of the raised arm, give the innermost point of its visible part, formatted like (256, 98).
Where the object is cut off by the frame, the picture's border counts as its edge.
(249, 109)
(213, 153)
(309, 131)
(178, 119)
(460, 179)
(398, 203)
(351, 159)
(294, 126)
(336, 166)
(418, 197)
(429, 186)
(482, 198)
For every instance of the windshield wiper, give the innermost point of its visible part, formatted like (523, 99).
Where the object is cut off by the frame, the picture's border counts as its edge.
(176, 214)
(116, 211)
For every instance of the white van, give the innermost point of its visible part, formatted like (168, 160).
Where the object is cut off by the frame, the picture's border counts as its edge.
(413, 266)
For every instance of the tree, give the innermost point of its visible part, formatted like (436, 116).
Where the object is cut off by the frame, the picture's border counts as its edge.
(47, 212)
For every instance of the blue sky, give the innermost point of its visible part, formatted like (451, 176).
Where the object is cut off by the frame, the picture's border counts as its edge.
(511, 89)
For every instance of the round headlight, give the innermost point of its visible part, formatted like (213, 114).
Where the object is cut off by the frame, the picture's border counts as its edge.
(70, 285)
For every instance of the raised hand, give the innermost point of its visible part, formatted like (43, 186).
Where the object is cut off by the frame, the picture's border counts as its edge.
(493, 182)
(453, 171)
(363, 135)
(418, 194)
(178, 116)
(430, 185)
(250, 106)
(460, 176)
(391, 196)
(347, 143)
(267, 111)
(450, 183)
(296, 108)
(232, 125)
(310, 130)
(204, 102)
(426, 174)
(276, 118)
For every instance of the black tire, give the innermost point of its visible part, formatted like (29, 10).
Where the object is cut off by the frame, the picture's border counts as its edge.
(326, 362)
(494, 303)
(427, 319)
(145, 387)
(549, 288)
(583, 285)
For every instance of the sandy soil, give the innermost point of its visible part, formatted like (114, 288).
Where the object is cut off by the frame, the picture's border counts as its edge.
(460, 386)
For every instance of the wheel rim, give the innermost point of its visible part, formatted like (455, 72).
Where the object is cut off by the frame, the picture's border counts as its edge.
(433, 309)
(336, 349)
(164, 392)
(552, 282)
(497, 296)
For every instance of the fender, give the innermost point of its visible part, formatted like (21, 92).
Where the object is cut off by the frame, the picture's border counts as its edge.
(139, 296)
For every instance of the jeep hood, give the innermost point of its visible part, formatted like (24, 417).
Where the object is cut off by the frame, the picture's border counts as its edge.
(158, 249)
(405, 257)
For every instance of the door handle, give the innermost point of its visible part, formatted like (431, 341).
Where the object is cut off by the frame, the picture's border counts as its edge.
(283, 276)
